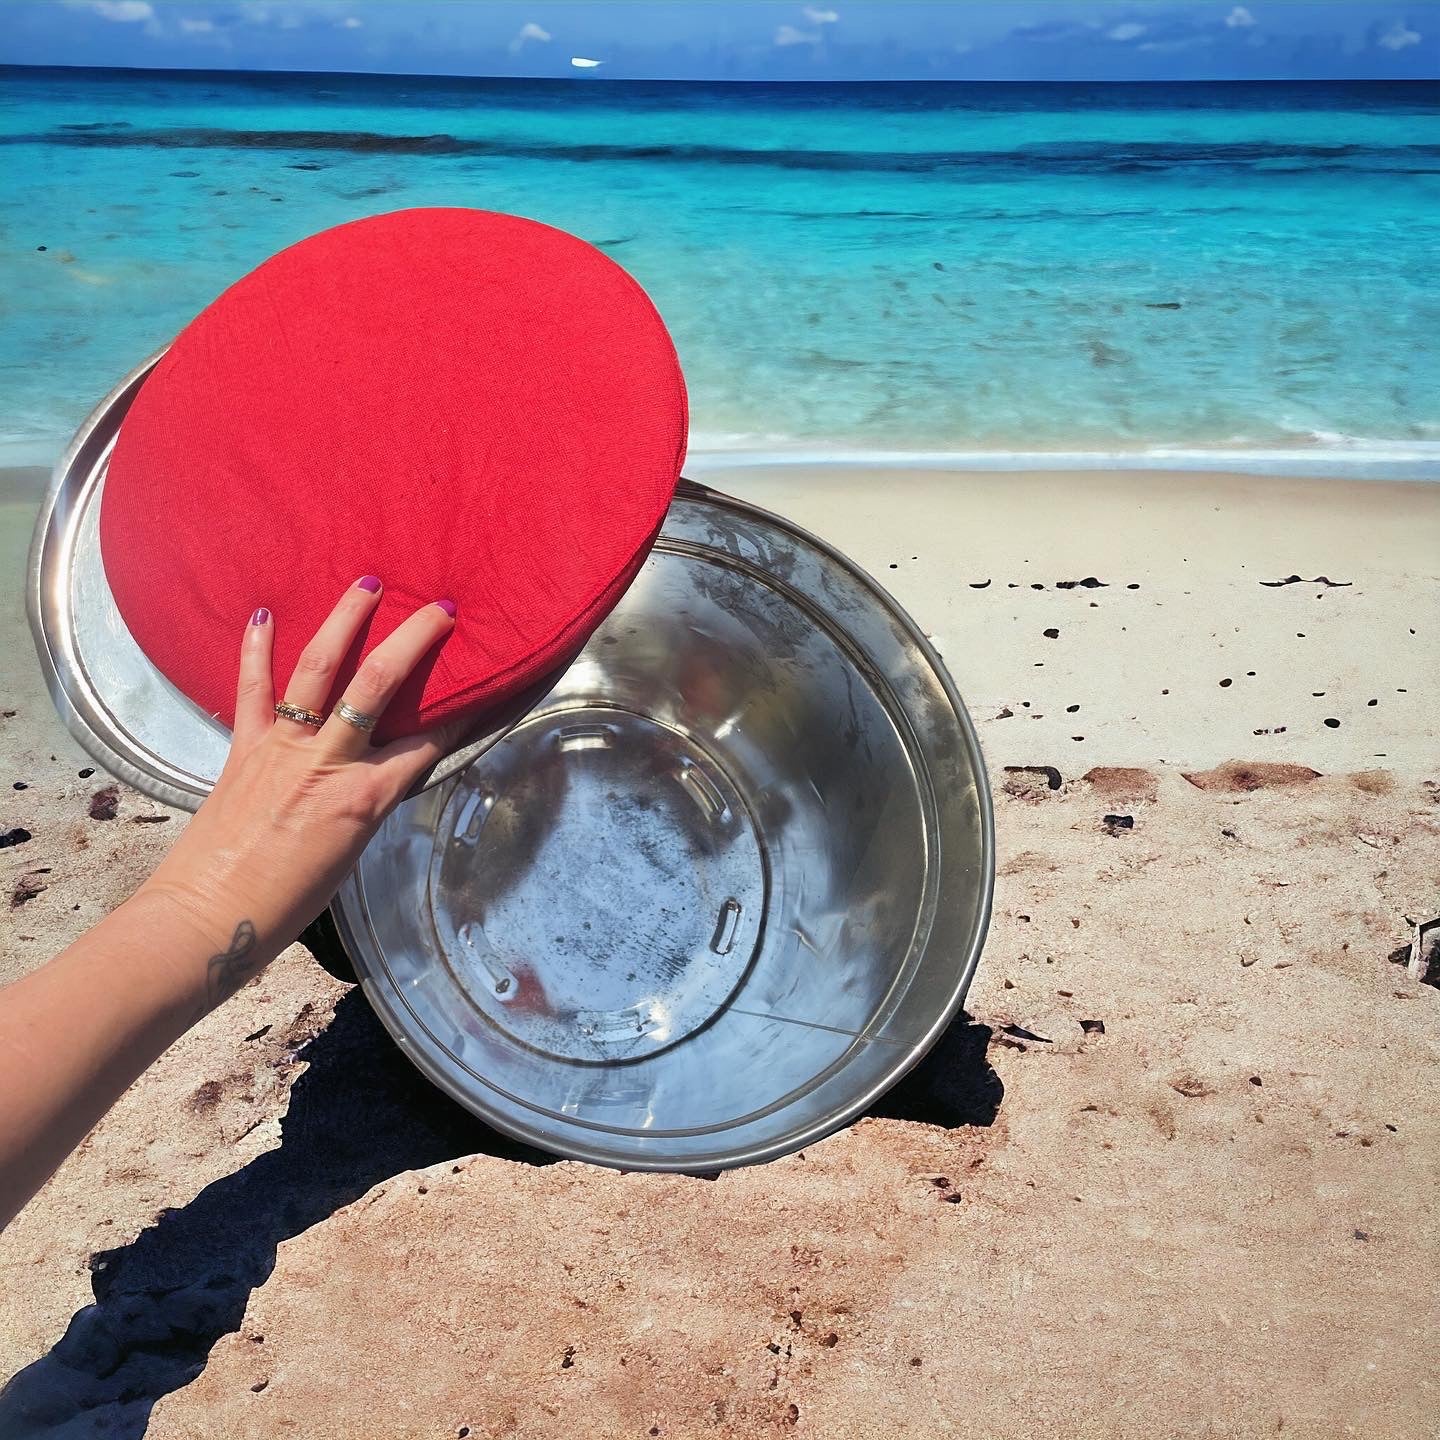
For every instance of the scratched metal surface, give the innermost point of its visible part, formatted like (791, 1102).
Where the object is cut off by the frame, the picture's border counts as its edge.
(720, 888)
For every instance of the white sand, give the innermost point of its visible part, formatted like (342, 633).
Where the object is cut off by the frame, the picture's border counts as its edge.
(1217, 1216)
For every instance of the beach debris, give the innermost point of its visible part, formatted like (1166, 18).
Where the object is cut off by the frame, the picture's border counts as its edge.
(150, 820)
(1270, 730)
(1093, 1027)
(1088, 583)
(1421, 955)
(17, 836)
(981, 585)
(1019, 1032)
(1031, 781)
(104, 804)
(1005, 713)
(1192, 1087)
(1245, 775)
(1299, 580)
(1162, 304)
(27, 887)
(1115, 824)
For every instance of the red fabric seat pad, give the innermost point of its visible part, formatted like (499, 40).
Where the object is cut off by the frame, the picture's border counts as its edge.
(471, 406)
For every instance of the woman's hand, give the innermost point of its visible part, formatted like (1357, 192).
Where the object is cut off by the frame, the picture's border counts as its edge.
(296, 804)
(290, 814)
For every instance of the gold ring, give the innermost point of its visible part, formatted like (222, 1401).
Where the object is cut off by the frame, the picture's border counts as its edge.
(358, 718)
(298, 713)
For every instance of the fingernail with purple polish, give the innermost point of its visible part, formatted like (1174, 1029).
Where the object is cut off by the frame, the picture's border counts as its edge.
(368, 582)
(448, 606)
(260, 617)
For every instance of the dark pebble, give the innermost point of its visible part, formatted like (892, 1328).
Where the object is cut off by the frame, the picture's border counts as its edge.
(1093, 1027)
(104, 804)
(1227, 681)
(1114, 824)
(86, 773)
(19, 785)
(17, 836)
(1052, 633)
(1333, 724)
(42, 247)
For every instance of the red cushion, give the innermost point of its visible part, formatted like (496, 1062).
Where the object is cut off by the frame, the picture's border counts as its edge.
(469, 405)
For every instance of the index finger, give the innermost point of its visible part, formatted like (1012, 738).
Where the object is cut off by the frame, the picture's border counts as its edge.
(383, 671)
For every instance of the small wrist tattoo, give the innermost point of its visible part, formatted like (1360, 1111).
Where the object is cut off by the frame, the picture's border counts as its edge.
(227, 972)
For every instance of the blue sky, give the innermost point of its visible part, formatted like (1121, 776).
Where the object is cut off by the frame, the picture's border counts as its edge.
(759, 40)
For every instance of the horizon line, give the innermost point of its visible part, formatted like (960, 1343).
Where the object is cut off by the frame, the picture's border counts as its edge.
(591, 78)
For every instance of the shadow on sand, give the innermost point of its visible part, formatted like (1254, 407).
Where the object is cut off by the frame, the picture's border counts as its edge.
(359, 1115)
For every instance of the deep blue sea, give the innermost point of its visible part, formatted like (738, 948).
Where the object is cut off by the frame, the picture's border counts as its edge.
(878, 267)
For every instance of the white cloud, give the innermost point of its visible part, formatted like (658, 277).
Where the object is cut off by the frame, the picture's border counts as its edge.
(789, 35)
(528, 31)
(581, 63)
(820, 17)
(1239, 18)
(1398, 36)
(196, 27)
(124, 10)
(351, 23)
(1128, 31)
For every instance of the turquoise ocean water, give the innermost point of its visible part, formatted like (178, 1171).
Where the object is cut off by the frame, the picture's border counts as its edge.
(1181, 269)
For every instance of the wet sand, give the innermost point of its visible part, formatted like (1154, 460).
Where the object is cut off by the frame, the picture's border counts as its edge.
(1172, 1174)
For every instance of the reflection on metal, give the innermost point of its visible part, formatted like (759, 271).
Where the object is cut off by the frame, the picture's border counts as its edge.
(737, 864)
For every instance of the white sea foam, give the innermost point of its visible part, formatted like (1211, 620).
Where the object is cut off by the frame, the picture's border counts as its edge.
(1340, 457)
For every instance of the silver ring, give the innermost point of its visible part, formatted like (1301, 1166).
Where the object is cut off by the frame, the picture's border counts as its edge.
(358, 718)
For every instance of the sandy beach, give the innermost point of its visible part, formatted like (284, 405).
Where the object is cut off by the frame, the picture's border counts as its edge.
(1172, 1173)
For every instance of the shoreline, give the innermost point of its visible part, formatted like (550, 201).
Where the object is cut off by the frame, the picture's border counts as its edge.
(1370, 460)
(1413, 461)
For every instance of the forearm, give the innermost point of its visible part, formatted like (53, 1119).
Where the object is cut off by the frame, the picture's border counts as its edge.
(77, 1032)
